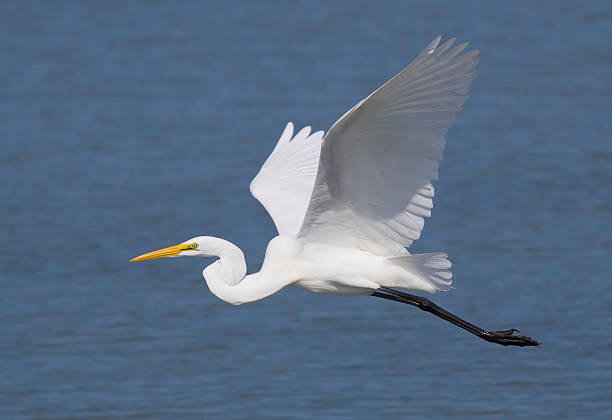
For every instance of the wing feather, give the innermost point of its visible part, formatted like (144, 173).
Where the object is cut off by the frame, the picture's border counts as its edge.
(373, 185)
(285, 181)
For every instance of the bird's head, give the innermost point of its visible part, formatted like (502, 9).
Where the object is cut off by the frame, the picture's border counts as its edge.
(200, 246)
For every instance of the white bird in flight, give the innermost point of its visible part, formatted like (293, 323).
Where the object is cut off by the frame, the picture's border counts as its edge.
(347, 204)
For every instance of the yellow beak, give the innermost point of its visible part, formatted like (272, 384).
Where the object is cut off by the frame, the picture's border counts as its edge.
(171, 251)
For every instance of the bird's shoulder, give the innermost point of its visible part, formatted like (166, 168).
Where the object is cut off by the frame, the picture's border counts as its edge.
(283, 247)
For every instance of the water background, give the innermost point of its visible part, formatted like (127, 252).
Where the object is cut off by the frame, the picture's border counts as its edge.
(130, 126)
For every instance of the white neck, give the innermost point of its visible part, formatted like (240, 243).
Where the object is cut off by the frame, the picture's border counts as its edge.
(226, 276)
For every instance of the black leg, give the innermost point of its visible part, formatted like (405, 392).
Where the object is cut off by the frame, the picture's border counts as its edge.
(506, 338)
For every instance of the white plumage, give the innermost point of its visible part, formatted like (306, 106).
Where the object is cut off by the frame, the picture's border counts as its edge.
(285, 181)
(347, 205)
(377, 162)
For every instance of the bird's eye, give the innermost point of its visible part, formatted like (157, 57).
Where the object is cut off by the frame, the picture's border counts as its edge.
(193, 246)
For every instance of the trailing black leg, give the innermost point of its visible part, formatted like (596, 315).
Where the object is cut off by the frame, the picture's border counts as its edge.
(506, 337)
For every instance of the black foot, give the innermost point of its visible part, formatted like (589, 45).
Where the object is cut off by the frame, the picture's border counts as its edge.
(509, 338)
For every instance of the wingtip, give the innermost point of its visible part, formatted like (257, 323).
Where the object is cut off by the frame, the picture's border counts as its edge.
(462, 46)
(303, 133)
(431, 47)
(284, 137)
(287, 133)
(441, 49)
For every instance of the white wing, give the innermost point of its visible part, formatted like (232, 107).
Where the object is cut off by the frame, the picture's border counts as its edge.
(284, 182)
(373, 185)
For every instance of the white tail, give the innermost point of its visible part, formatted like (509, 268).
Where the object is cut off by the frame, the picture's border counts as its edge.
(431, 269)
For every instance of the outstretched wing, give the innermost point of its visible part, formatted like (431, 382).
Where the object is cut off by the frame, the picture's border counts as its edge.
(373, 186)
(284, 182)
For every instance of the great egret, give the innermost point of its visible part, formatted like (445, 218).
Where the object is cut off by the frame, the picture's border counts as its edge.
(346, 205)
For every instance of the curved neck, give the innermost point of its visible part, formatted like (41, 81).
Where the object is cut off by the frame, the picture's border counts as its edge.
(230, 268)
(226, 276)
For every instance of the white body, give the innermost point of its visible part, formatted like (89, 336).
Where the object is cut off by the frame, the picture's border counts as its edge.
(317, 267)
(347, 204)
(324, 268)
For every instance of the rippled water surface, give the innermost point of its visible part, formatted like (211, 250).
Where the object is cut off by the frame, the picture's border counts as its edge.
(129, 127)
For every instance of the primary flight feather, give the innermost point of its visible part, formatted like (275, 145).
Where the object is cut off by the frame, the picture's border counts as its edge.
(347, 204)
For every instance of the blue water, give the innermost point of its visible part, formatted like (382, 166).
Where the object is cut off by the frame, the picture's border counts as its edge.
(129, 127)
